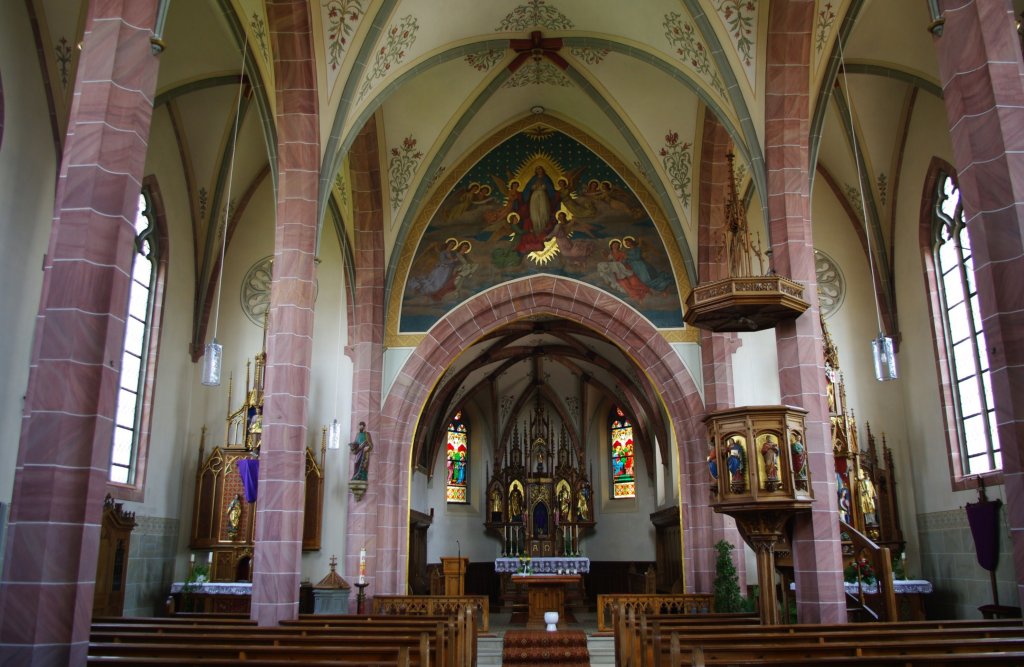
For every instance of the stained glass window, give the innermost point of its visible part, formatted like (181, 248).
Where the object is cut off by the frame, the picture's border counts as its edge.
(457, 459)
(135, 352)
(966, 352)
(623, 477)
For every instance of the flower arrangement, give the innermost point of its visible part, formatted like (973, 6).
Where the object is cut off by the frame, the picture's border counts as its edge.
(861, 570)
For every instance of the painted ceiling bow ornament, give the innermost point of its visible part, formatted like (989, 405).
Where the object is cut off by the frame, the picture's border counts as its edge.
(536, 47)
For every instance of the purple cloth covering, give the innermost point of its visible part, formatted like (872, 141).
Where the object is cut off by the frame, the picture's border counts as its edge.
(249, 469)
(984, 520)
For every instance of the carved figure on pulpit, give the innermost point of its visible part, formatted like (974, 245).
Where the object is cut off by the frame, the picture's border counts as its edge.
(736, 462)
(712, 461)
(770, 454)
(799, 461)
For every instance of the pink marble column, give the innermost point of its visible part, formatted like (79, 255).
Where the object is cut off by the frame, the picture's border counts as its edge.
(716, 348)
(277, 559)
(64, 452)
(817, 558)
(371, 520)
(981, 69)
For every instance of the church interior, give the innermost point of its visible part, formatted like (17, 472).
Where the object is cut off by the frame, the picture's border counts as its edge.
(374, 289)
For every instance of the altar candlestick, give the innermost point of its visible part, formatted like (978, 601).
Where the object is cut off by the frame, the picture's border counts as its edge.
(209, 559)
(192, 559)
(362, 565)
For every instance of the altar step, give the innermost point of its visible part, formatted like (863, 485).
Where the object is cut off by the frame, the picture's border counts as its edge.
(602, 651)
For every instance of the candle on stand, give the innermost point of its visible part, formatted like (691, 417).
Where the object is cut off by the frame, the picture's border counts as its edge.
(192, 559)
(362, 565)
(209, 560)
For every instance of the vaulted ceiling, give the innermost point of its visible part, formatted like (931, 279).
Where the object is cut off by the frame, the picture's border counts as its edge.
(443, 76)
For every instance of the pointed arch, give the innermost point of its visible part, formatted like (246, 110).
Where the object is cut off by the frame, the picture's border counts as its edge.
(481, 315)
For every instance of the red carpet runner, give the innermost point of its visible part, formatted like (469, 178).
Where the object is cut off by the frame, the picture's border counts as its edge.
(565, 648)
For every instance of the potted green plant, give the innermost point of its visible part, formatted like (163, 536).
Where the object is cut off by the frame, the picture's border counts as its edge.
(727, 583)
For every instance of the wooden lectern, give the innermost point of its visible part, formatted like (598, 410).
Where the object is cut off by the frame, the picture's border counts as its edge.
(454, 575)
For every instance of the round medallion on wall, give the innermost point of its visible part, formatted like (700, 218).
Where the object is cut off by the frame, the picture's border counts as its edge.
(256, 290)
(831, 284)
(255, 293)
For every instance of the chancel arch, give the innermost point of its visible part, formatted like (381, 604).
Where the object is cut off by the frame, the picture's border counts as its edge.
(511, 304)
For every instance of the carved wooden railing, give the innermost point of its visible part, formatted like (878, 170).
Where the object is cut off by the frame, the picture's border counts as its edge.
(434, 605)
(882, 590)
(684, 603)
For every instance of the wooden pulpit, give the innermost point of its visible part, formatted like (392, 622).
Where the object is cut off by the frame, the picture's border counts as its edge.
(454, 575)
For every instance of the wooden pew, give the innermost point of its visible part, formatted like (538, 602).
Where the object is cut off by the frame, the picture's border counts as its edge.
(240, 651)
(645, 641)
(780, 644)
(429, 642)
(442, 640)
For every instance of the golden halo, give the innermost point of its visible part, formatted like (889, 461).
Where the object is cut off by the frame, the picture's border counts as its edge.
(469, 247)
(611, 241)
(451, 240)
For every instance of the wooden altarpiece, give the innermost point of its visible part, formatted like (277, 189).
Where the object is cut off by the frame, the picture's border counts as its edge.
(540, 498)
(223, 522)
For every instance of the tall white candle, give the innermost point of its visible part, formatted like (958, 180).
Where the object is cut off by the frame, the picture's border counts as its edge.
(362, 565)
(209, 560)
(192, 559)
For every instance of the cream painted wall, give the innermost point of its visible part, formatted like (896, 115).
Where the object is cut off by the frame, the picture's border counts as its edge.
(28, 166)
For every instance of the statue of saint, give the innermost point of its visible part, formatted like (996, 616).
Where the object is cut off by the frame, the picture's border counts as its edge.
(770, 454)
(866, 497)
(515, 504)
(234, 516)
(362, 447)
(582, 504)
(564, 503)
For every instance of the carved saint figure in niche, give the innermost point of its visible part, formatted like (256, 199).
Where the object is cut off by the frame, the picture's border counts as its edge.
(770, 454)
(712, 461)
(866, 497)
(234, 516)
(799, 461)
(564, 503)
(361, 447)
(582, 504)
(736, 462)
(515, 505)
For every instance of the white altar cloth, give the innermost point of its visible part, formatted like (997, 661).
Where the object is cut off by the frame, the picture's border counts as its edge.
(545, 565)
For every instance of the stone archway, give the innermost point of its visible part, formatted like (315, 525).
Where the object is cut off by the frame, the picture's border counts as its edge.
(386, 520)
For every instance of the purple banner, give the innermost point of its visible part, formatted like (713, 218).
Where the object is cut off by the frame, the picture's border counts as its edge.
(249, 469)
(984, 520)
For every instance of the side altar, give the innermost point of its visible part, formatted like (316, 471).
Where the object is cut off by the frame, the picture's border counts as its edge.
(226, 493)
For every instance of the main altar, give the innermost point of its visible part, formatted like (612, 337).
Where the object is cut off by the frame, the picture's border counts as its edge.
(539, 503)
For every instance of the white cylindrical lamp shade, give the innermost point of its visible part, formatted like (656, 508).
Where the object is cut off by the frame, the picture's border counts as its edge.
(334, 435)
(213, 358)
(885, 358)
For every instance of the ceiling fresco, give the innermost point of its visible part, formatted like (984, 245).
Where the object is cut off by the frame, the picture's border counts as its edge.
(540, 202)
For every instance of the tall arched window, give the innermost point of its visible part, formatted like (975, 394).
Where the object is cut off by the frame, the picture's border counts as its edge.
(621, 437)
(138, 356)
(960, 338)
(458, 459)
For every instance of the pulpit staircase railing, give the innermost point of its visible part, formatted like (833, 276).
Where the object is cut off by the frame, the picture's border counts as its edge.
(873, 596)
